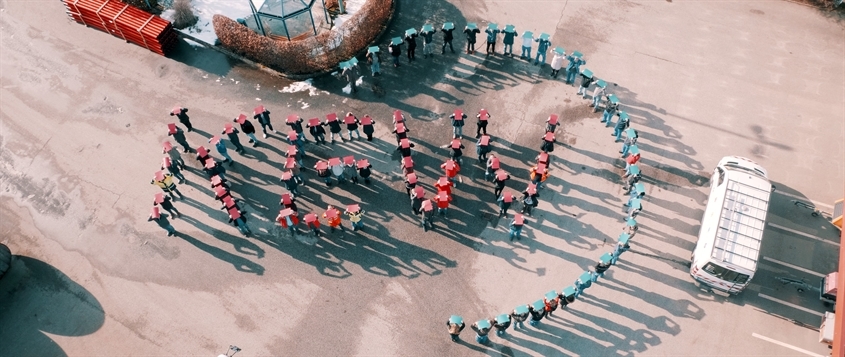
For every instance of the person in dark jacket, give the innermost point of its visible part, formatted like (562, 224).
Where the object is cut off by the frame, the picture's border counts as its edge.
(334, 126)
(411, 40)
(367, 125)
(263, 116)
(232, 134)
(447, 37)
(247, 128)
(427, 33)
(295, 123)
(471, 31)
(586, 80)
(178, 135)
(161, 220)
(510, 34)
(492, 36)
(167, 203)
(315, 127)
(455, 324)
(365, 170)
(181, 113)
(395, 48)
(457, 151)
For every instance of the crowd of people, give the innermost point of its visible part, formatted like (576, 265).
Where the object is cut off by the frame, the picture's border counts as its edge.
(349, 169)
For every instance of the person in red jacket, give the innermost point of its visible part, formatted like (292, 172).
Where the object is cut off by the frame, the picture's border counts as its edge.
(451, 168)
(442, 199)
(287, 219)
(443, 184)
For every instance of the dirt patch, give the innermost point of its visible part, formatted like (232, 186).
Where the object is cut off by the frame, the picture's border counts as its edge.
(575, 113)
(665, 176)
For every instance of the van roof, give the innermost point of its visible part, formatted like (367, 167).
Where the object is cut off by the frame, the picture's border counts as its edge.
(741, 222)
(738, 162)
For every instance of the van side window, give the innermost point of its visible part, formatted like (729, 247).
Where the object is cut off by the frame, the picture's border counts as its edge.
(721, 176)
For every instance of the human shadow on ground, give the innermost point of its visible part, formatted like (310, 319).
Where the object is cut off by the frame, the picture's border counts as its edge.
(240, 263)
(38, 300)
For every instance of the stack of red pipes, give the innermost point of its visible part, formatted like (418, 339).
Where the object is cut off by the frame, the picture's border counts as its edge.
(125, 21)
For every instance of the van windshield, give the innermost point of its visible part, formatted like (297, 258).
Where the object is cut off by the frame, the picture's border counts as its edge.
(725, 274)
(746, 169)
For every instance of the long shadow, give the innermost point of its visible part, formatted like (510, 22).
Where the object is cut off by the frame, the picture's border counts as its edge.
(679, 308)
(660, 323)
(203, 58)
(240, 263)
(38, 300)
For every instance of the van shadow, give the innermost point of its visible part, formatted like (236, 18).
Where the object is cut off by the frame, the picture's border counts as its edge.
(37, 299)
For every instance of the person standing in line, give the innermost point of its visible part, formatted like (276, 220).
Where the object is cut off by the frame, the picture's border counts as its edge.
(426, 215)
(507, 41)
(411, 41)
(349, 169)
(543, 158)
(179, 135)
(455, 325)
(519, 315)
(165, 183)
(290, 183)
(262, 115)
(443, 200)
(247, 128)
(604, 263)
(471, 31)
(516, 226)
(401, 132)
(288, 201)
(202, 155)
(315, 127)
(622, 246)
(527, 41)
(574, 66)
(175, 156)
(551, 123)
(395, 48)
(621, 125)
(501, 323)
(323, 172)
(373, 59)
(417, 198)
(295, 123)
(349, 71)
(529, 199)
(631, 136)
(232, 134)
(406, 165)
(365, 170)
(399, 118)
(287, 218)
(173, 169)
(334, 126)
(237, 219)
(294, 153)
(182, 114)
(537, 311)
(367, 125)
(610, 110)
(313, 223)
(332, 215)
(542, 46)
(457, 151)
(458, 123)
(492, 167)
(447, 37)
(427, 33)
(294, 168)
(557, 61)
(483, 115)
(586, 80)
(548, 142)
(444, 185)
(451, 168)
(505, 201)
(356, 215)
(410, 183)
(221, 148)
(213, 168)
(598, 93)
(352, 123)
(492, 32)
(167, 203)
(336, 166)
(161, 220)
(482, 148)
(482, 328)
(502, 178)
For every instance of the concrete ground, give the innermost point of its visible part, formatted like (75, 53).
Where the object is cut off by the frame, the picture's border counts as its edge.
(83, 116)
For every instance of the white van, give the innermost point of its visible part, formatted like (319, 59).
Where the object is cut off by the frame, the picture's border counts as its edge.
(728, 247)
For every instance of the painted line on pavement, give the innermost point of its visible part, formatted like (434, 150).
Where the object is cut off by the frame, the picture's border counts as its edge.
(805, 199)
(767, 297)
(808, 271)
(791, 347)
(802, 234)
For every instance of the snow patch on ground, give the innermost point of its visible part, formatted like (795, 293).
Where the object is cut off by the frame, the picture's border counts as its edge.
(306, 85)
(205, 11)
